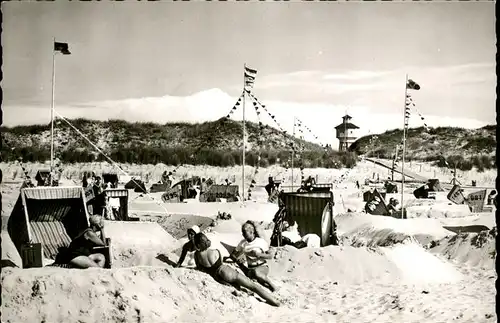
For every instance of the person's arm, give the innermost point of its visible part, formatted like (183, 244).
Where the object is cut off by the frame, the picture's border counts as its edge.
(183, 256)
(92, 236)
(261, 254)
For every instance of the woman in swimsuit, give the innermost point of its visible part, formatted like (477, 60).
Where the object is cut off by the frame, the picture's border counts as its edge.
(256, 251)
(188, 246)
(80, 254)
(210, 261)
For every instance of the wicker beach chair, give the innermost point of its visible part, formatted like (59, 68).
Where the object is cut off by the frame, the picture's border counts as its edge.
(313, 213)
(122, 195)
(46, 219)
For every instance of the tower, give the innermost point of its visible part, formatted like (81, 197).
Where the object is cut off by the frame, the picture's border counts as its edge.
(346, 133)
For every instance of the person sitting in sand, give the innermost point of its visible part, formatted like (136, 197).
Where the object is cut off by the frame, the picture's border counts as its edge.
(256, 251)
(393, 203)
(80, 254)
(210, 262)
(188, 246)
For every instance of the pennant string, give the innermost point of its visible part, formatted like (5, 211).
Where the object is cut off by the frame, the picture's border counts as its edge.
(112, 162)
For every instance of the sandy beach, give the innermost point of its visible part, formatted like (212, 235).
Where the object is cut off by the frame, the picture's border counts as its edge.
(384, 269)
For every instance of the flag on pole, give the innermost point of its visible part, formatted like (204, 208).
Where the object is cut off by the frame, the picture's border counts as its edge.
(250, 77)
(412, 85)
(62, 48)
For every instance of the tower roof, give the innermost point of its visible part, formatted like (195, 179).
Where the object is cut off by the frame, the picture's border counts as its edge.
(347, 125)
(348, 117)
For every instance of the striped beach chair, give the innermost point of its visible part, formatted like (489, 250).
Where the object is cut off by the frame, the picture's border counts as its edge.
(46, 219)
(313, 213)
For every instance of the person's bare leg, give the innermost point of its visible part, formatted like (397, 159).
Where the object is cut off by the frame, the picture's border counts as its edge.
(247, 283)
(236, 279)
(261, 277)
(99, 259)
(83, 262)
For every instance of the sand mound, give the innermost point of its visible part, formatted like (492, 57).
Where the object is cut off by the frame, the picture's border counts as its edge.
(177, 224)
(436, 210)
(141, 294)
(361, 229)
(347, 265)
(419, 266)
(474, 249)
(138, 243)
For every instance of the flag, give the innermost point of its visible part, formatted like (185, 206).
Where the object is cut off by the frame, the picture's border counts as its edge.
(61, 47)
(412, 85)
(250, 77)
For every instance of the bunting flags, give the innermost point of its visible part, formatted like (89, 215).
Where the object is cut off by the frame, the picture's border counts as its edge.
(343, 177)
(260, 142)
(408, 106)
(250, 75)
(426, 127)
(62, 48)
(235, 107)
(301, 126)
(409, 101)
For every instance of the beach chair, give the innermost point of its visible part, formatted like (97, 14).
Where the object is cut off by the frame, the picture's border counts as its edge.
(122, 196)
(313, 213)
(46, 219)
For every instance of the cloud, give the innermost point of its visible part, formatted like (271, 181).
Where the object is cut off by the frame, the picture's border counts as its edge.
(356, 75)
(213, 104)
(460, 96)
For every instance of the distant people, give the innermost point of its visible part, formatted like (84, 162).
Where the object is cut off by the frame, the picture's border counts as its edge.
(191, 191)
(210, 261)
(474, 183)
(98, 185)
(227, 182)
(188, 246)
(270, 187)
(27, 182)
(307, 184)
(491, 198)
(357, 185)
(164, 177)
(100, 199)
(392, 206)
(203, 186)
(113, 208)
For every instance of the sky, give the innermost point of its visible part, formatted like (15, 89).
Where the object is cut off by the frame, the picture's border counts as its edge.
(183, 61)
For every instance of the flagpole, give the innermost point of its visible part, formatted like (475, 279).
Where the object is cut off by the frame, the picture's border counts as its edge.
(404, 151)
(293, 147)
(52, 111)
(243, 169)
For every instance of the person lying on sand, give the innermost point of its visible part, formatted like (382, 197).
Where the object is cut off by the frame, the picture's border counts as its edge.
(256, 251)
(188, 246)
(79, 253)
(210, 261)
